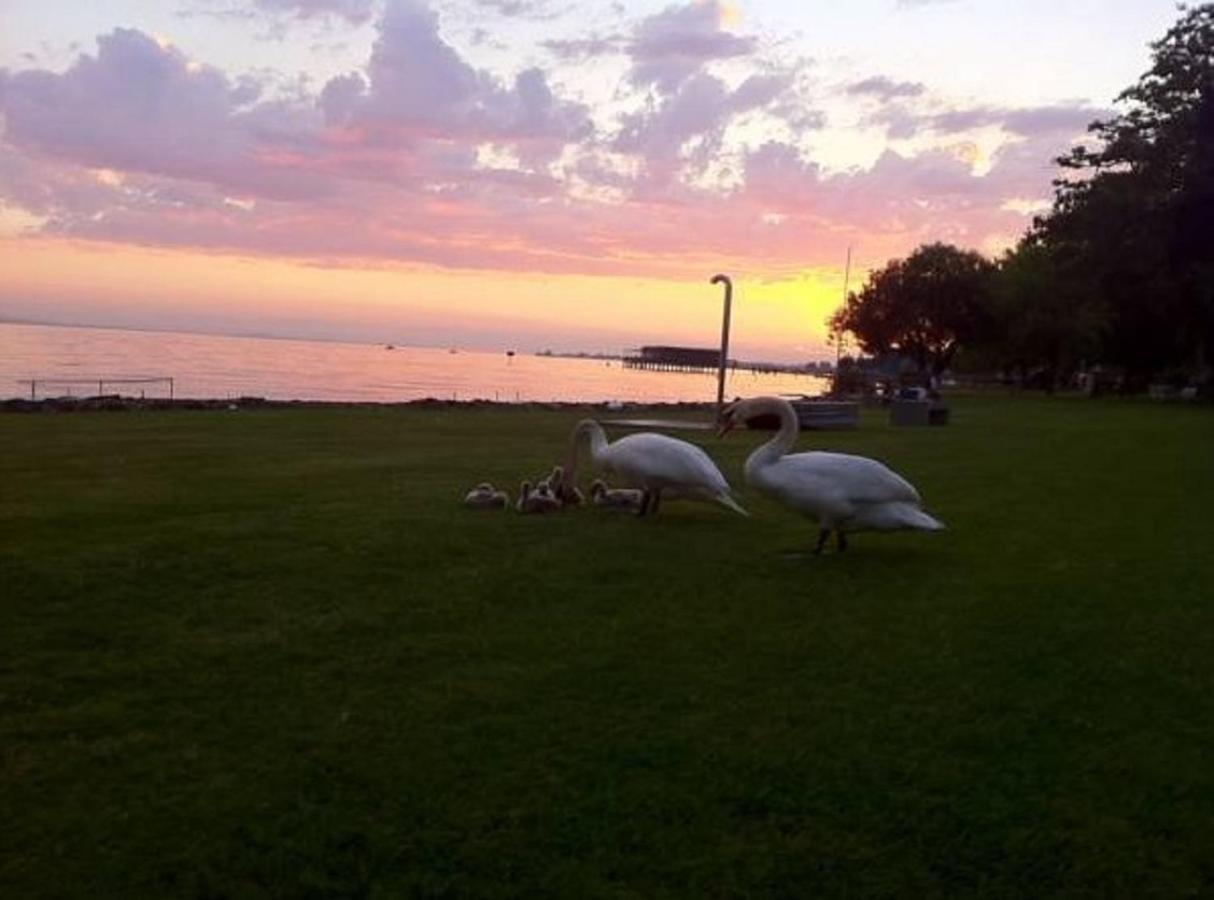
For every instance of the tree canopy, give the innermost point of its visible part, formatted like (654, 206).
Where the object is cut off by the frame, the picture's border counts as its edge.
(1119, 272)
(1045, 325)
(1133, 215)
(922, 307)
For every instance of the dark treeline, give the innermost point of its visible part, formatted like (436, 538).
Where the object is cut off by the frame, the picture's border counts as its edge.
(1117, 277)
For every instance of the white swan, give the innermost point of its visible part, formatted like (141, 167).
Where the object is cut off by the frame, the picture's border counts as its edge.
(524, 491)
(843, 492)
(569, 495)
(483, 496)
(615, 498)
(654, 463)
(537, 500)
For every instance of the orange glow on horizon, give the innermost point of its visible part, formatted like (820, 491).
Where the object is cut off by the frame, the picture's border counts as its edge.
(94, 283)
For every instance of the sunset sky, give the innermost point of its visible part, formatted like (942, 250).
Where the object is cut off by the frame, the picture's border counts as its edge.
(525, 173)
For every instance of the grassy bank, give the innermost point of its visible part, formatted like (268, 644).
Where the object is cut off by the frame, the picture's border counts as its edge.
(267, 653)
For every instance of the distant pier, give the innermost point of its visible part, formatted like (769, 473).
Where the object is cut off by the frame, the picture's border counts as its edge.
(705, 359)
(675, 359)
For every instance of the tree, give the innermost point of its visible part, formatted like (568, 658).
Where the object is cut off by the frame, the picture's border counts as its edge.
(1134, 215)
(1044, 323)
(923, 307)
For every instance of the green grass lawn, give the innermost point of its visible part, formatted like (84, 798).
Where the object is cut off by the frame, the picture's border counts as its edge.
(268, 654)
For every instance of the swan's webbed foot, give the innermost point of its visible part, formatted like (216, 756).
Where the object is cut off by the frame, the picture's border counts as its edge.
(646, 497)
(657, 501)
(841, 540)
(823, 536)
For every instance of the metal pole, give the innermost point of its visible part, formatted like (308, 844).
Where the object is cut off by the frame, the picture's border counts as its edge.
(723, 279)
(839, 333)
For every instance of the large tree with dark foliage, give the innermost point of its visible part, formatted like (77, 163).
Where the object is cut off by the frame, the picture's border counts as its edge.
(1134, 217)
(924, 307)
(1045, 322)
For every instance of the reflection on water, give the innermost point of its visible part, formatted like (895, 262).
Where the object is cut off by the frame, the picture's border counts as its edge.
(209, 366)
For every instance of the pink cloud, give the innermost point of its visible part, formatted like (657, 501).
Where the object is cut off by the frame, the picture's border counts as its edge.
(885, 88)
(903, 120)
(142, 107)
(389, 163)
(674, 44)
(355, 11)
(420, 87)
(580, 48)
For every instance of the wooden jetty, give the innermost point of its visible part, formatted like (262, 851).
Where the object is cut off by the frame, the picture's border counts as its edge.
(675, 359)
(705, 359)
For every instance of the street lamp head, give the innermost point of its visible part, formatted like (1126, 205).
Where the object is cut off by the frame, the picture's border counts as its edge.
(720, 279)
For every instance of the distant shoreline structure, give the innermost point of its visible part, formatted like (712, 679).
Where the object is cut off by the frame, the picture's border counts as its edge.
(578, 354)
(65, 361)
(115, 403)
(693, 359)
(822, 366)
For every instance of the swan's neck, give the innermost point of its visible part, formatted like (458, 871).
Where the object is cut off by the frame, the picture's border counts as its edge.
(784, 439)
(587, 431)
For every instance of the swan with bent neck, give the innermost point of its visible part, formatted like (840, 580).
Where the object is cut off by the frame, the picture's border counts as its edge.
(844, 493)
(652, 462)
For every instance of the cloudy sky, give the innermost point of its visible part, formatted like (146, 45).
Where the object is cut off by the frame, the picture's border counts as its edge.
(525, 173)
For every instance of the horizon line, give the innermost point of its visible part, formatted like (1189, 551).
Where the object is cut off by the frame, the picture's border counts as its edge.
(542, 351)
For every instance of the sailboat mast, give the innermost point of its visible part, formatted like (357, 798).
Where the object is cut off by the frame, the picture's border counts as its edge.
(839, 333)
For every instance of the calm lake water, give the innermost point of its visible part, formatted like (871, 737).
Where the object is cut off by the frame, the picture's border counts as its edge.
(215, 367)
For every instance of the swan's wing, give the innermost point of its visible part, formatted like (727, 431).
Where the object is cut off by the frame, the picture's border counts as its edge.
(648, 457)
(857, 479)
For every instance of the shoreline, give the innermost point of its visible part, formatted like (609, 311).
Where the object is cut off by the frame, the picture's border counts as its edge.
(129, 404)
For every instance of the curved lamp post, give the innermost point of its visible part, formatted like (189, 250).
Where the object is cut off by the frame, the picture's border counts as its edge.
(723, 279)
